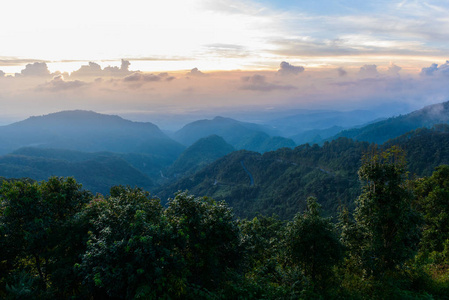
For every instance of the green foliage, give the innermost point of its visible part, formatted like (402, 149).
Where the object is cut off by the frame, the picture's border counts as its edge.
(34, 220)
(313, 244)
(200, 154)
(385, 233)
(207, 237)
(433, 202)
(97, 172)
(130, 247)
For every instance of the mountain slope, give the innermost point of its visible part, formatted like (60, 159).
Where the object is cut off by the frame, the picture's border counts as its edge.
(201, 153)
(283, 179)
(240, 135)
(87, 131)
(318, 120)
(97, 173)
(382, 131)
(148, 164)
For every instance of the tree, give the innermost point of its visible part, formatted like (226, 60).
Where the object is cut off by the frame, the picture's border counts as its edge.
(386, 224)
(207, 238)
(130, 248)
(433, 201)
(35, 226)
(313, 244)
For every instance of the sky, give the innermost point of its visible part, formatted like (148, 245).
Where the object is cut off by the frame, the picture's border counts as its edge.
(147, 59)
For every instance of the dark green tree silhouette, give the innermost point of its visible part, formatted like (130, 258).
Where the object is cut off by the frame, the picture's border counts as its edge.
(207, 238)
(386, 230)
(313, 244)
(130, 248)
(433, 201)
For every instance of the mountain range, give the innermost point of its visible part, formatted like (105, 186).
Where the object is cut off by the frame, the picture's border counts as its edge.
(90, 132)
(279, 182)
(382, 131)
(241, 135)
(102, 151)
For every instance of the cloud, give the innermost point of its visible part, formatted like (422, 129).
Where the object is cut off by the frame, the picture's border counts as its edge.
(35, 69)
(368, 71)
(288, 69)
(93, 70)
(195, 72)
(138, 76)
(2, 74)
(15, 61)
(116, 71)
(59, 84)
(166, 76)
(258, 83)
(393, 70)
(435, 69)
(342, 72)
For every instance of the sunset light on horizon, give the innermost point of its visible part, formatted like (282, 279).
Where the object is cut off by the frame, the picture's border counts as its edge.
(203, 55)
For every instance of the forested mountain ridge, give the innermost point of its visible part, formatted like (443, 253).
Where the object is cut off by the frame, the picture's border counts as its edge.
(88, 131)
(98, 173)
(199, 154)
(283, 179)
(380, 132)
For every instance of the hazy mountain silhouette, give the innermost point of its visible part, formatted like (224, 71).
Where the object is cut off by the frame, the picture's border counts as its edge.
(88, 131)
(380, 132)
(293, 126)
(240, 135)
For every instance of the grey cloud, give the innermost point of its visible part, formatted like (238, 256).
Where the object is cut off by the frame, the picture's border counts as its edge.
(138, 77)
(93, 69)
(35, 69)
(2, 74)
(394, 70)
(195, 72)
(123, 70)
(434, 69)
(14, 61)
(342, 72)
(166, 76)
(369, 71)
(429, 70)
(286, 69)
(258, 83)
(59, 84)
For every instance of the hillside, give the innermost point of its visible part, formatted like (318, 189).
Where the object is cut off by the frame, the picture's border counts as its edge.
(148, 164)
(318, 120)
(380, 132)
(283, 179)
(200, 154)
(88, 131)
(240, 135)
(97, 173)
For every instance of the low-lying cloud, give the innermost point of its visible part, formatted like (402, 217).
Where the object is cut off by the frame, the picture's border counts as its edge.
(35, 69)
(434, 69)
(287, 69)
(59, 84)
(258, 82)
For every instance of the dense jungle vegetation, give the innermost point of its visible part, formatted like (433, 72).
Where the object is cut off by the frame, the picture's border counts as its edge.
(58, 241)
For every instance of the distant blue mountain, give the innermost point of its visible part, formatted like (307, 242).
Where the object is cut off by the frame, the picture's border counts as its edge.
(88, 131)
